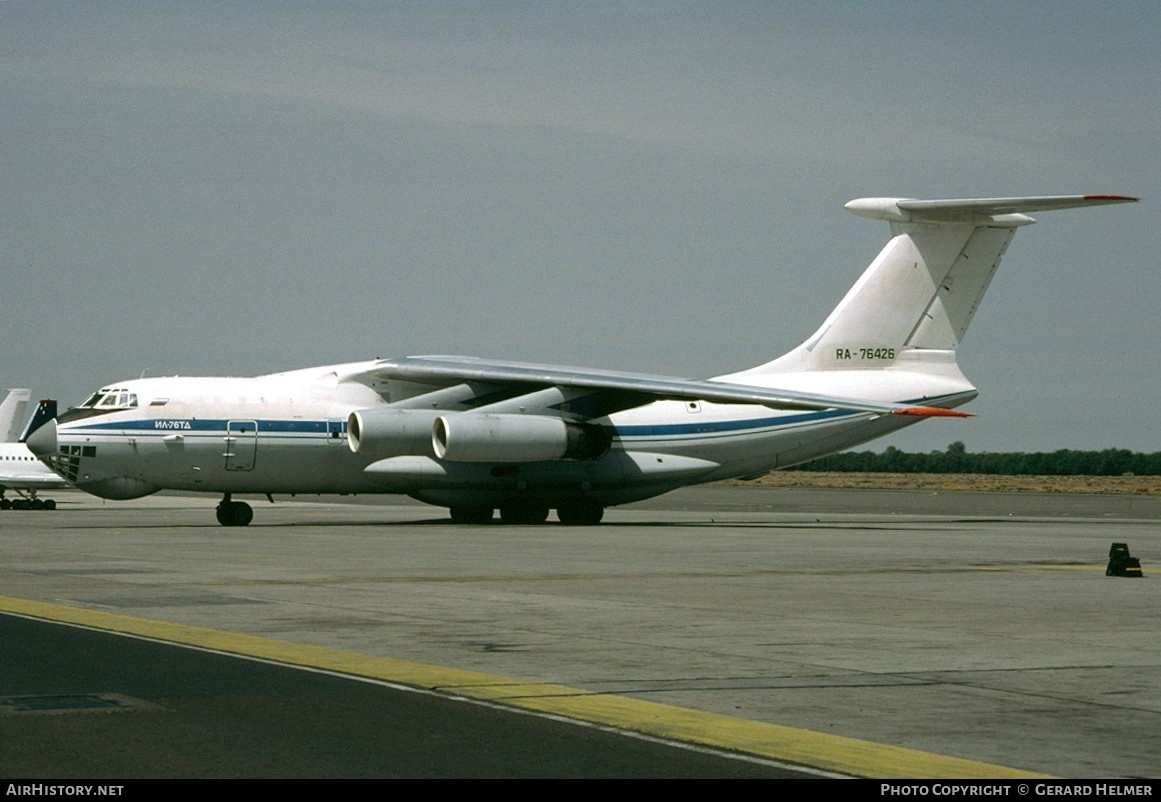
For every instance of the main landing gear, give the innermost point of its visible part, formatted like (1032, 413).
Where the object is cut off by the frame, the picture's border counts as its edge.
(583, 511)
(26, 502)
(524, 514)
(234, 513)
(471, 514)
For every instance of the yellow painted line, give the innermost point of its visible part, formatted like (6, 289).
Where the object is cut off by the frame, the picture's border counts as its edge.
(787, 744)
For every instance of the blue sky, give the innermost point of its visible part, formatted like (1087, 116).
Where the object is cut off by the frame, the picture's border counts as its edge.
(239, 188)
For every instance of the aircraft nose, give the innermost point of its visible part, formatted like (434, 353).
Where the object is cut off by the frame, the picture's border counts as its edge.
(42, 442)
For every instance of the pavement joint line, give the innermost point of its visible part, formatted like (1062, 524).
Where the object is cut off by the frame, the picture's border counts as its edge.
(851, 756)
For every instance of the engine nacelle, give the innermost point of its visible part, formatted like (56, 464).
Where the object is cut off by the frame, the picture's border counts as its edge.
(391, 432)
(470, 437)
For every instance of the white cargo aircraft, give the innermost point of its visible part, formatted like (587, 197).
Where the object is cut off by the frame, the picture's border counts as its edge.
(477, 435)
(20, 470)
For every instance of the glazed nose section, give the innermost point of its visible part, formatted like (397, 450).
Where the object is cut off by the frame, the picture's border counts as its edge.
(42, 442)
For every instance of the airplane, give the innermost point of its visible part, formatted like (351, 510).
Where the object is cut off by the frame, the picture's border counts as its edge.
(476, 435)
(20, 470)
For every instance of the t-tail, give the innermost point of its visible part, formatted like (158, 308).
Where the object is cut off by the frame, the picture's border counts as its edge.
(912, 306)
(12, 412)
(45, 411)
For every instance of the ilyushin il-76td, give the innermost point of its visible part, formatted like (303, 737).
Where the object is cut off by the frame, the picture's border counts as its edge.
(479, 435)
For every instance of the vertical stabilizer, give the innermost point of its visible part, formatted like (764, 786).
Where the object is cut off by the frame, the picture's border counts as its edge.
(12, 413)
(923, 289)
(45, 411)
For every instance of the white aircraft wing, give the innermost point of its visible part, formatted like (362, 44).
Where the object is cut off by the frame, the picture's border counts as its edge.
(32, 479)
(451, 369)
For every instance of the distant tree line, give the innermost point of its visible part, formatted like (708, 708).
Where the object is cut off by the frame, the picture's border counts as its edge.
(956, 459)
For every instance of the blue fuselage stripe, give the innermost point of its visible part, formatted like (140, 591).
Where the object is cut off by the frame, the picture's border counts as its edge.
(167, 426)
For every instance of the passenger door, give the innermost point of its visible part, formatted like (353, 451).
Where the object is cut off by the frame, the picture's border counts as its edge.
(241, 445)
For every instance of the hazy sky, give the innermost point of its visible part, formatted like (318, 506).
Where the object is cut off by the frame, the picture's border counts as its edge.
(240, 188)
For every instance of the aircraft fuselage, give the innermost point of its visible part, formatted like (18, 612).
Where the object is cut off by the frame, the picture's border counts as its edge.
(274, 436)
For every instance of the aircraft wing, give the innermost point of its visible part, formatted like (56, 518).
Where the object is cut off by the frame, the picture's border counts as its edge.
(444, 370)
(29, 480)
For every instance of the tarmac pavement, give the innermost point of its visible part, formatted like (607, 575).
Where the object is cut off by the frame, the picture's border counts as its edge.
(861, 632)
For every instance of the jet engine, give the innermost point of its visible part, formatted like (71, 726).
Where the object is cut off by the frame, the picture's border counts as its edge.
(482, 437)
(391, 432)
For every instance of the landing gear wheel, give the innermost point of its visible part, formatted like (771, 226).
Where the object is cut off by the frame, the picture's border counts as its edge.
(524, 514)
(49, 504)
(5, 503)
(581, 512)
(471, 514)
(235, 513)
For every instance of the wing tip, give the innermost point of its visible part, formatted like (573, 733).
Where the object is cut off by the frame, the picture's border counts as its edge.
(1098, 196)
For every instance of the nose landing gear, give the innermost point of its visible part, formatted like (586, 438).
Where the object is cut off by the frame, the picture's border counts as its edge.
(234, 513)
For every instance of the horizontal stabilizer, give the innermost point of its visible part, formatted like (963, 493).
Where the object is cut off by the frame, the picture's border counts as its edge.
(910, 210)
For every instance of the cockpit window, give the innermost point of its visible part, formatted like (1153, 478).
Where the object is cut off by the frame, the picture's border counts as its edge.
(102, 402)
(109, 399)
